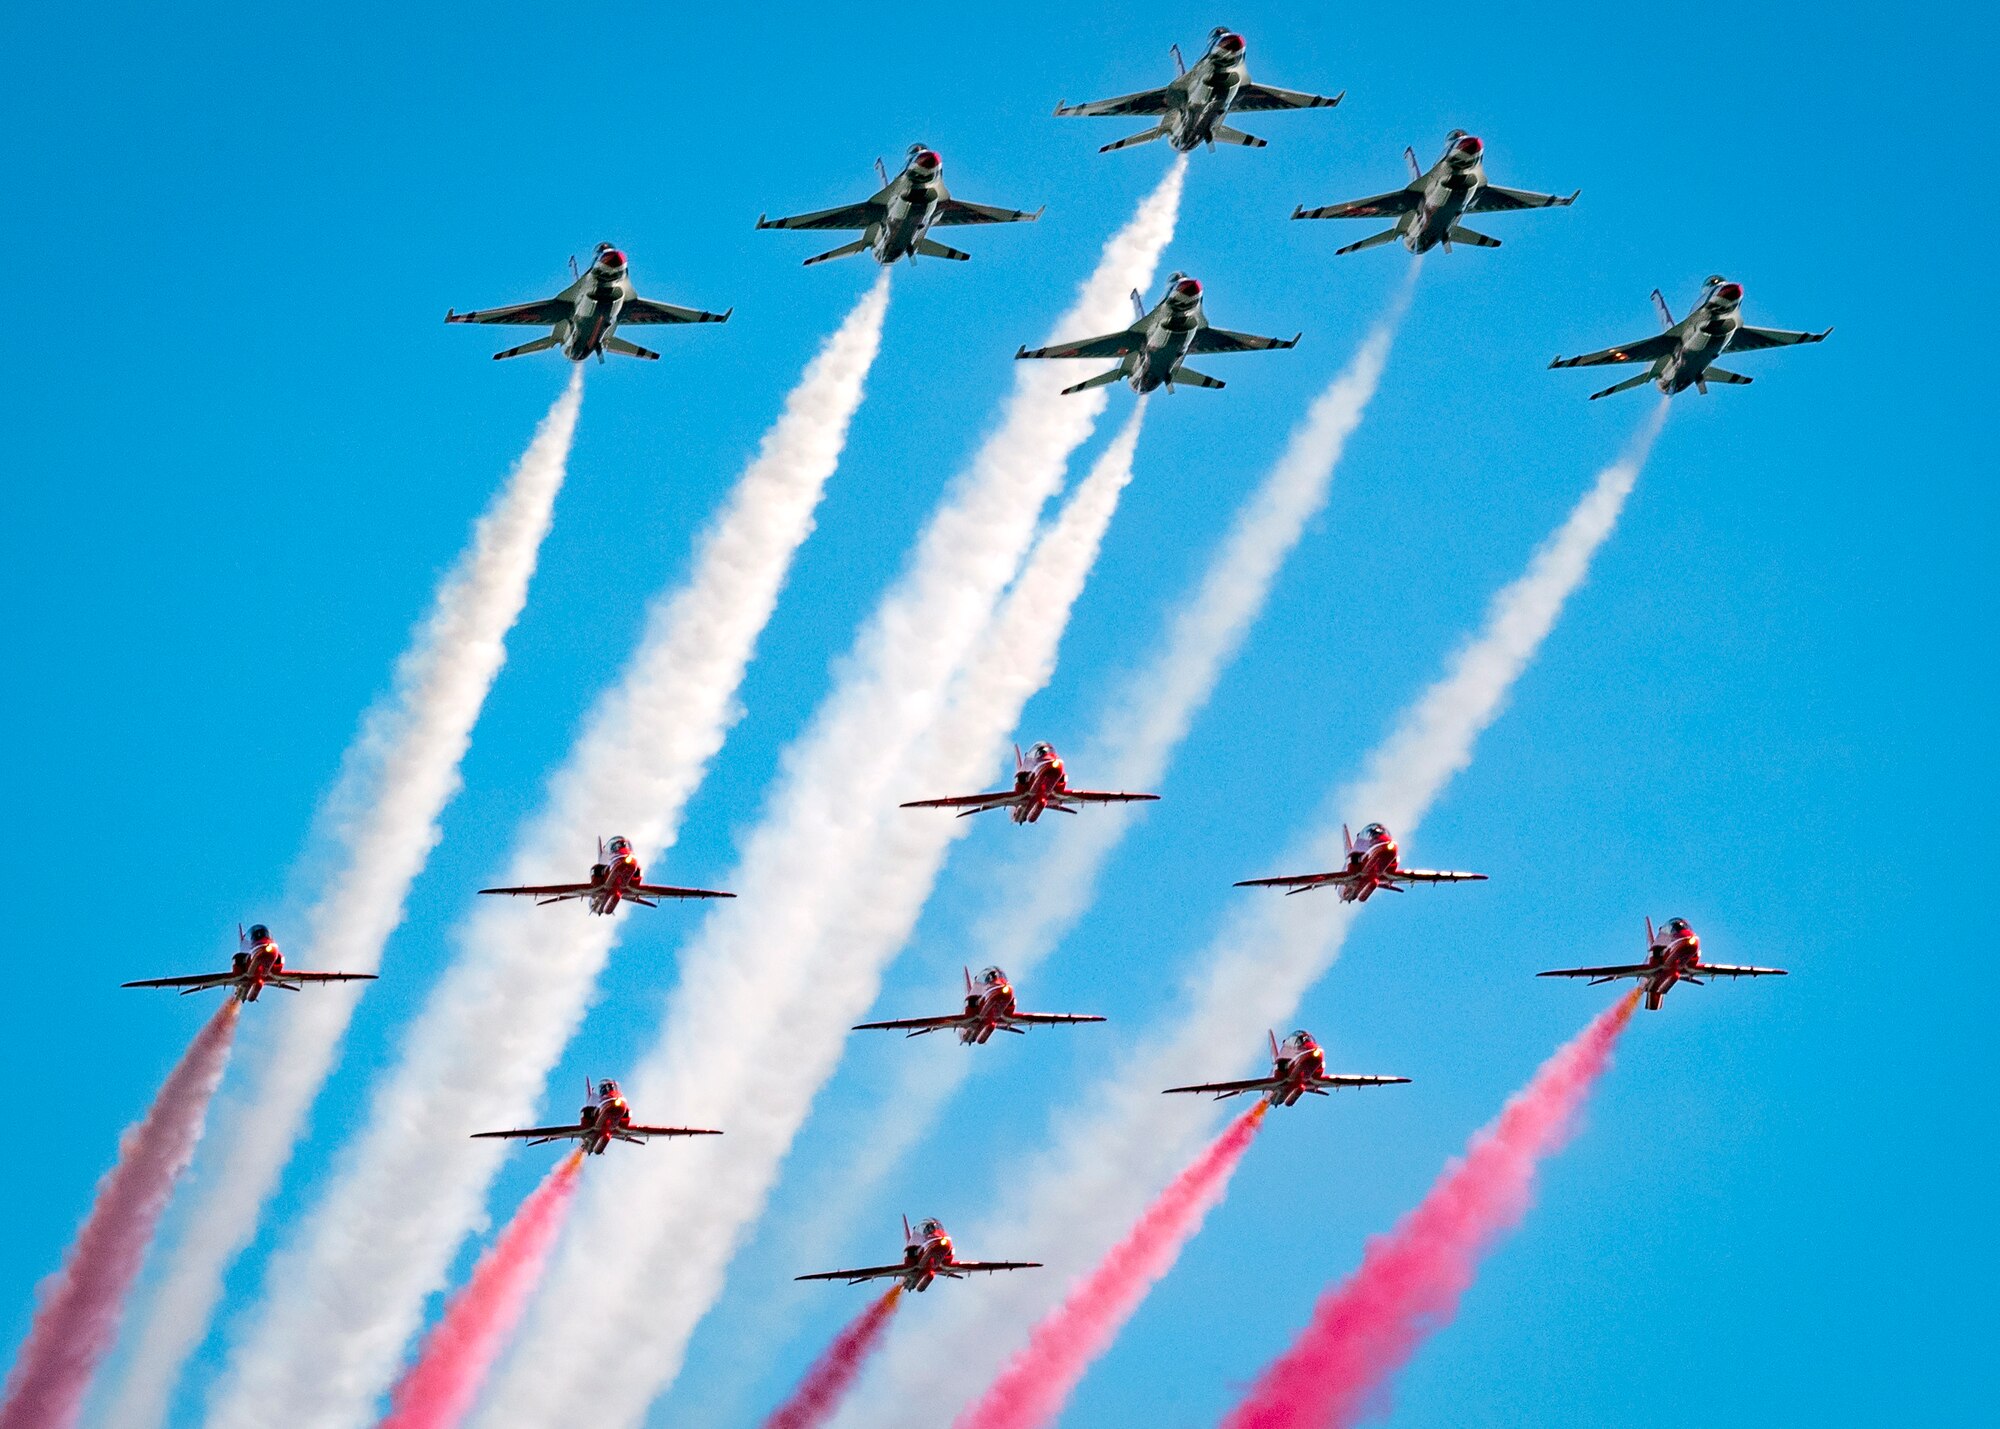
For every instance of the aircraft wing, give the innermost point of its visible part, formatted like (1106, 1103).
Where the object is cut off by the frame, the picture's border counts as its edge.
(1750, 339)
(961, 1267)
(288, 975)
(855, 1277)
(642, 1133)
(1435, 875)
(1346, 1080)
(546, 313)
(644, 310)
(1116, 344)
(1701, 970)
(954, 214)
(1388, 205)
(1644, 350)
(1252, 98)
(970, 803)
(1299, 882)
(533, 1133)
(554, 892)
(1099, 796)
(851, 215)
(1228, 1089)
(662, 890)
(193, 983)
(915, 1026)
(1603, 974)
(1052, 1019)
(1221, 339)
(1491, 198)
(1149, 101)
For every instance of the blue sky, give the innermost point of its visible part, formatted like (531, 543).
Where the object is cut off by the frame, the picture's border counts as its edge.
(245, 446)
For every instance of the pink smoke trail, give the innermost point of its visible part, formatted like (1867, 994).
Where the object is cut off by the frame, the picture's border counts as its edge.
(1410, 1281)
(438, 1390)
(1038, 1381)
(81, 1303)
(827, 1382)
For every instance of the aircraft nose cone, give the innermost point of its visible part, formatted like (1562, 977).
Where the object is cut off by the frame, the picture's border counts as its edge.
(1730, 292)
(1230, 44)
(1471, 147)
(1188, 288)
(928, 159)
(613, 258)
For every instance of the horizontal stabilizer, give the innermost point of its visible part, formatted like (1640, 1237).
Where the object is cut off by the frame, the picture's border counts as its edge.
(1456, 234)
(1145, 136)
(1102, 379)
(1188, 377)
(630, 349)
(540, 344)
(1717, 374)
(1223, 134)
(1627, 385)
(930, 248)
(859, 245)
(1372, 241)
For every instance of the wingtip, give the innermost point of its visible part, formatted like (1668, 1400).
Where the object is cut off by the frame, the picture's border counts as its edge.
(1021, 352)
(1299, 211)
(727, 313)
(1572, 198)
(1337, 98)
(763, 220)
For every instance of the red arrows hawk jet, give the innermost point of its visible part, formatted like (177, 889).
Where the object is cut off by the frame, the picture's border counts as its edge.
(1673, 954)
(989, 1008)
(615, 878)
(1298, 1066)
(1039, 785)
(605, 1118)
(257, 965)
(1371, 864)
(927, 1255)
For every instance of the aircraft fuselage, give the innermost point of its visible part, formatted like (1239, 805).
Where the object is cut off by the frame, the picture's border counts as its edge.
(1700, 338)
(595, 302)
(1040, 784)
(260, 964)
(604, 1119)
(1169, 334)
(912, 209)
(1674, 960)
(1370, 866)
(1205, 94)
(1448, 190)
(989, 1007)
(612, 879)
(1295, 1072)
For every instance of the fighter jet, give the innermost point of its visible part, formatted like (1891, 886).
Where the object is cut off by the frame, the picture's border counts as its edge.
(584, 317)
(1428, 209)
(257, 965)
(1191, 109)
(927, 1254)
(1372, 863)
(615, 878)
(1151, 352)
(1039, 785)
(989, 1008)
(1297, 1067)
(897, 221)
(1673, 954)
(1683, 353)
(605, 1118)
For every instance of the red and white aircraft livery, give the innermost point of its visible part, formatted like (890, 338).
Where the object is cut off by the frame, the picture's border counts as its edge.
(989, 1008)
(257, 965)
(1039, 785)
(1673, 954)
(605, 1118)
(1298, 1066)
(1372, 863)
(926, 1256)
(615, 878)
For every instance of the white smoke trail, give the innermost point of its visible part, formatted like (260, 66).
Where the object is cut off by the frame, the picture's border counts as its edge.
(376, 829)
(1122, 1140)
(346, 1294)
(792, 965)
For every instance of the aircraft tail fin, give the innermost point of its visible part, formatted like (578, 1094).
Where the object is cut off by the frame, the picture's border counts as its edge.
(630, 349)
(906, 1230)
(1627, 385)
(882, 173)
(1102, 379)
(1666, 313)
(968, 980)
(1180, 65)
(1144, 136)
(1372, 241)
(1188, 377)
(1346, 838)
(1272, 1033)
(1457, 234)
(931, 248)
(1138, 306)
(1223, 134)
(1650, 938)
(1410, 158)
(859, 245)
(540, 344)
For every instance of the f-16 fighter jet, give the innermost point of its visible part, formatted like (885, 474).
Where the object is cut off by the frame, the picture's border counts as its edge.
(1427, 210)
(584, 317)
(615, 878)
(605, 1118)
(1682, 354)
(989, 1008)
(1191, 109)
(1673, 954)
(927, 1255)
(1151, 352)
(1039, 785)
(257, 965)
(897, 221)
(1372, 863)
(1298, 1066)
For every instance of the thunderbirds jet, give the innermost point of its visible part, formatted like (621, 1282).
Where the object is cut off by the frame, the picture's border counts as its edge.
(1428, 209)
(1682, 353)
(897, 221)
(1151, 351)
(605, 1118)
(1298, 1066)
(257, 965)
(1673, 954)
(615, 878)
(926, 1256)
(1371, 864)
(584, 317)
(1039, 785)
(989, 1008)
(1191, 109)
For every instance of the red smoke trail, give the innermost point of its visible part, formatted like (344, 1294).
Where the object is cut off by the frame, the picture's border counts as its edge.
(1037, 1382)
(441, 1386)
(1410, 1280)
(81, 1303)
(827, 1382)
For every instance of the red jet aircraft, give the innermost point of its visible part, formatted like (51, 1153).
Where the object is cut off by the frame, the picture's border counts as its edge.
(1297, 1067)
(1039, 785)
(989, 1008)
(1371, 864)
(257, 965)
(615, 878)
(926, 1256)
(1673, 954)
(605, 1118)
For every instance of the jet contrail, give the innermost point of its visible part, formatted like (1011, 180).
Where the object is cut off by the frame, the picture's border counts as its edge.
(77, 1319)
(766, 994)
(345, 1295)
(375, 831)
(1411, 1280)
(1071, 1204)
(826, 1382)
(438, 1390)
(1032, 1390)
